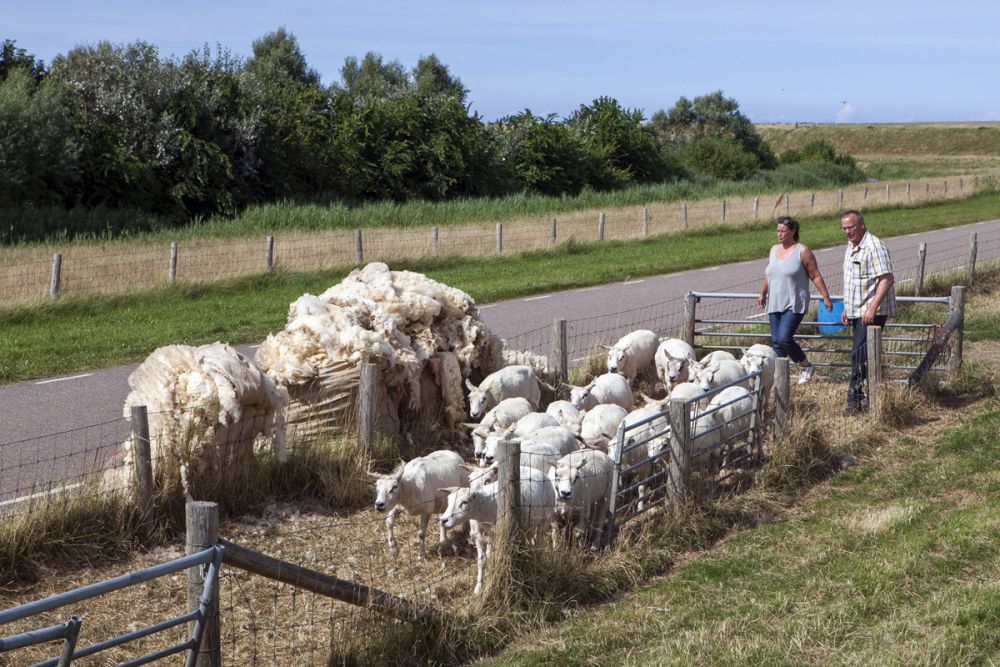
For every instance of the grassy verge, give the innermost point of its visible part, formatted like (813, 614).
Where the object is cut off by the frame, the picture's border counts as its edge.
(78, 333)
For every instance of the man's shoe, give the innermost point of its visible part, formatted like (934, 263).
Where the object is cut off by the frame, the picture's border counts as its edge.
(806, 374)
(852, 410)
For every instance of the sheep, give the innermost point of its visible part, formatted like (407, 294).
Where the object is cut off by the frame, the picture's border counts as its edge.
(582, 481)
(508, 382)
(537, 502)
(413, 487)
(717, 355)
(734, 415)
(672, 359)
(566, 414)
(560, 437)
(601, 424)
(761, 358)
(718, 373)
(607, 388)
(642, 443)
(531, 422)
(502, 415)
(633, 353)
(534, 454)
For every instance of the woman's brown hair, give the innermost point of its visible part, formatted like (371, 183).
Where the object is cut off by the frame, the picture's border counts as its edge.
(792, 224)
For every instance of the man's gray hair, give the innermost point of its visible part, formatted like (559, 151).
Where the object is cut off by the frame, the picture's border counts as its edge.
(857, 215)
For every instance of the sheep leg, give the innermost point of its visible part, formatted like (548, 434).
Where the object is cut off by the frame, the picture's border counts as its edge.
(421, 531)
(480, 563)
(390, 523)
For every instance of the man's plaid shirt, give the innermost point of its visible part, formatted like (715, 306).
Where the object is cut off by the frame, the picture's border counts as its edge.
(862, 266)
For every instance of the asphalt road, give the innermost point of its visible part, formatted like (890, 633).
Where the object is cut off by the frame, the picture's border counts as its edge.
(54, 425)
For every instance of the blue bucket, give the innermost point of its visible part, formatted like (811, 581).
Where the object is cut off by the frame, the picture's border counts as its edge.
(832, 317)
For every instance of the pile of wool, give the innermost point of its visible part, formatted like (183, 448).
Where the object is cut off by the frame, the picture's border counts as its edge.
(209, 410)
(419, 331)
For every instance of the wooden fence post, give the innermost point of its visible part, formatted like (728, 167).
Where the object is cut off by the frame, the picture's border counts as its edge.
(268, 254)
(756, 206)
(918, 284)
(553, 233)
(970, 273)
(645, 223)
(507, 547)
(812, 201)
(367, 408)
(680, 448)
(499, 238)
(359, 249)
(172, 268)
(143, 467)
(946, 188)
(865, 198)
(874, 353)
(887, 193)
(685, 208)
(787, 203)
(908, 197)
(559, 351)
(722, 213)
(957, 302)
(782, 396)
(927, 189)
(690, 312)
(203, 533)
(600, 227)
(961, 184)
(840, 199)
(56, 275)
(434, 241)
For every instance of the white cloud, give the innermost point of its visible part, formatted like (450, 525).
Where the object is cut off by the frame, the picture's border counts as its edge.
(846, 113)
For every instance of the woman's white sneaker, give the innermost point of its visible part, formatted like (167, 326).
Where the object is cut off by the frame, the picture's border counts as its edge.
(806, 374)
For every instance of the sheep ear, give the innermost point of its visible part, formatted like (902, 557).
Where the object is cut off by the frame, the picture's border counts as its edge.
(510, 430)
(743, 352)
(583, 462)
(470, 468)
(605, 347)
(448, 490)
(375, 475)
(472, 426)
(468, 383)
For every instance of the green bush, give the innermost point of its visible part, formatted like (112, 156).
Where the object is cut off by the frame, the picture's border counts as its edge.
(720, 157)
(543, 155)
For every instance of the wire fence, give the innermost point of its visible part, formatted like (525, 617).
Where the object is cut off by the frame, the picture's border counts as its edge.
(31, 273)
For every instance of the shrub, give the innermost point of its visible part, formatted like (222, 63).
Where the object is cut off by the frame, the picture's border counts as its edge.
(720, 157)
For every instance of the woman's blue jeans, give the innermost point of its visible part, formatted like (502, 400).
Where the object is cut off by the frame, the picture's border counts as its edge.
(783, 326)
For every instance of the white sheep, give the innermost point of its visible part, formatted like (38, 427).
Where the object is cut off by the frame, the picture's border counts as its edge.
(607, 388)
(534, 454)
(633, 353)
(672, 358)
(414, 487)
(642, 443)
(560, 437)
(717, 355)
(719, 373)
(531, 422)
(508, 382)
(600, 424)
(735, 406)
(582, 481)
(537, 502)
(566, 414)
(498, 419)
(763, 359)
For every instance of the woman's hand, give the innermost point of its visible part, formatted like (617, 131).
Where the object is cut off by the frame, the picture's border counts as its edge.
(762, 301)
(828, 303)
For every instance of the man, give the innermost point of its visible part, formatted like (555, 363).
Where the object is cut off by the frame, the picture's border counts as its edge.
(869, 298)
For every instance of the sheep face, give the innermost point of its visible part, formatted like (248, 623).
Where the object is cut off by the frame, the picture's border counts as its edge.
(704, 376)
(479, 442)
(616, 359)
(752, 363)
(387, 491)
(578, 396)
(674, 368)
(565, 477)
(479, 403)
(489, 452)
(459, 507)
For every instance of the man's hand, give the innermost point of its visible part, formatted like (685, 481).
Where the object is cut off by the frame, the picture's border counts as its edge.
(843, 319)
(868, 318)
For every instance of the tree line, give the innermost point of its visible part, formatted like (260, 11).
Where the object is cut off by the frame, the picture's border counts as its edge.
(117, 126)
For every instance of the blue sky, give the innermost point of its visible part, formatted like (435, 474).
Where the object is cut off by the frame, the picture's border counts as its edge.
(782, 61)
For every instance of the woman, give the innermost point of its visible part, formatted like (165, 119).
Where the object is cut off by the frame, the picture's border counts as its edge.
(785, 293)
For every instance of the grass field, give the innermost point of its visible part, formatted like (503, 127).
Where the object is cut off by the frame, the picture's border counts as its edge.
(911, 139)
(78, 333)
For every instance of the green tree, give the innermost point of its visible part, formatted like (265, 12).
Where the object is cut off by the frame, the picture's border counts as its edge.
(278, 54)
(371, 77)
(544, 155)
(12, 57)
(721, 157)
(431, 77)
(711, 115)
(39, 149)
(621, 150)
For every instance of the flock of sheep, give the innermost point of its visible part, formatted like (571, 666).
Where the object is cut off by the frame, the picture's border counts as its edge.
(568, 452)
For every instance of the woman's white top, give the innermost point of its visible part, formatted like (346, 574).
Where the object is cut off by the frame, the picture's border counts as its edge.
(787, 282)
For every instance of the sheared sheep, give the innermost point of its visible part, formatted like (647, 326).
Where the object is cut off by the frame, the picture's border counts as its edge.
(534, 454)
(413, 487)
(672, 358)
(582, 481)
(508, 382)
(601, 424)
(566, 414)
(503, 415)
(606, 388)
(537, 502)
(633, 353)
(718, 374)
